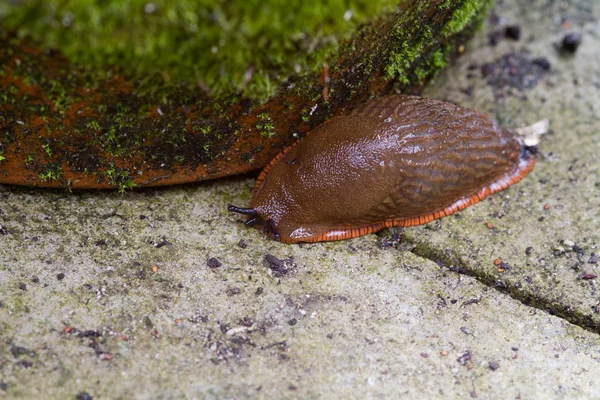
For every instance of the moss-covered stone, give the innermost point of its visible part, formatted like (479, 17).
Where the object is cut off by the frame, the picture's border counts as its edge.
(73, 114)
(222, 46)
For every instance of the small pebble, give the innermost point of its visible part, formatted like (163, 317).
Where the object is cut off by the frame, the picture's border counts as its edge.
(493, 365)
(465, 358)
(213, 263)
(587, 276)
(593, 259)
(273, 261)
(494, 38)
(544, 64)
(558, 250)
(571, 42)
(513, 32)
(83, 396)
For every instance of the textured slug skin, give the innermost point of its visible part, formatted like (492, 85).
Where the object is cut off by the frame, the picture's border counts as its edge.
(395, 161)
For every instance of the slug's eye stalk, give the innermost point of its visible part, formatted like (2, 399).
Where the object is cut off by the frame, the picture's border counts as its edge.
(253, 217)
(251, 212)
(256, 220)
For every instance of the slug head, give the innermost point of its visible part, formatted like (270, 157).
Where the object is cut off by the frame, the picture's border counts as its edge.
(257, 221)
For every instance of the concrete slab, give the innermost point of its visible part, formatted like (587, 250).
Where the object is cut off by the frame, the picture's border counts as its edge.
(546, 228)
(112, 296)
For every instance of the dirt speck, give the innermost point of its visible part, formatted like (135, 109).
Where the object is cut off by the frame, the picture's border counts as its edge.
(279, 267)
(213, 263)
(570, 43)
(516, 70)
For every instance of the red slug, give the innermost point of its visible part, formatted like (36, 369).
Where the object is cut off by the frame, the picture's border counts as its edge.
(394, 161)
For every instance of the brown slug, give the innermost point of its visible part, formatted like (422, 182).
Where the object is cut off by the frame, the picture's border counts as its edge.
(394, 161)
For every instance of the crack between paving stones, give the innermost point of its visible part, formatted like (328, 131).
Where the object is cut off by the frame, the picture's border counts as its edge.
(453, 262)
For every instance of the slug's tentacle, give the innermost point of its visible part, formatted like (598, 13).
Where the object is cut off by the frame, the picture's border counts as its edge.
(269, 225)
(253, 221)
(253, 218)
(240, 210)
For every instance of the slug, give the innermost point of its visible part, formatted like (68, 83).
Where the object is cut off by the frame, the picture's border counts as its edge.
(394, 161)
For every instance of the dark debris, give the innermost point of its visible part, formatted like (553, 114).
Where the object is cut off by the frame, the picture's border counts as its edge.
(570, 43)
(83, 396)
(279, 267)
(517, 70)
(465, 358)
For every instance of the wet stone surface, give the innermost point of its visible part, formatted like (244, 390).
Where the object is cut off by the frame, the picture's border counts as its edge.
(154, 294)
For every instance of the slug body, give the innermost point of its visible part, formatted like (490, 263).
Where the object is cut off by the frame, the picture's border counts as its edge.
(394, 161)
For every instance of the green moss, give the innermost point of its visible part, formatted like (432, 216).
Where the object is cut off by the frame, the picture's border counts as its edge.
(445, 5)
(265, 126)
(47, 149)
(51, 173)
(94, 125)
(463, 15)
(407, 63)
(120, 178)
(223, 46)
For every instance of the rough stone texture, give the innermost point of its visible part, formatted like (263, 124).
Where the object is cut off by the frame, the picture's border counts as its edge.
(111, 294)
(559, 201)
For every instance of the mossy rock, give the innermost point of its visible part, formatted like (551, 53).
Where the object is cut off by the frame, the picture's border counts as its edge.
(109, 94)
